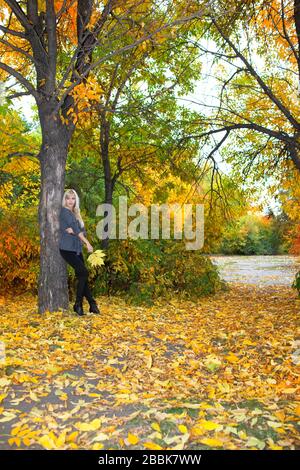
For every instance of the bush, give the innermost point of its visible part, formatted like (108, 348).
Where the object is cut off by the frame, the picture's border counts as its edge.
(140, 270)
(253, 235)
(19, 250)
(144, 270)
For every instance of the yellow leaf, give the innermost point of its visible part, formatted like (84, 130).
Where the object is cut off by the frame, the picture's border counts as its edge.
(98, 446)
(26, 441)
(209, 425)
(232, 358)
(243, 435)
(152, 446)
(47, 442)
(149, 361)
(205, 406)
(197, 431)
(93, 426)
(15, 431)
(24, 432)
(247, 342)
(4, 382)
(274, 425)
(182, 428)
(156, 427)
(7, 418)
(63, 396)
(224, 387)
(132, 439)
(280, 430)
(121, 442)
(275, 447)
(196, 347)
(101, 436)
(297, 410)
(33, 396)
(212, 442)
(96, 258)
(73, 445)
(60, 441)
(2, 397)
(193, 406)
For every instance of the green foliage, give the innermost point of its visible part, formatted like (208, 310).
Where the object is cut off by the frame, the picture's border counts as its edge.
(19, 165)
(144, 270)
(296, 283)
(140, 270)
(253, 235)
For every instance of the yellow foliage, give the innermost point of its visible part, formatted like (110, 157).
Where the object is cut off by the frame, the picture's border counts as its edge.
(181, 401)
(19, 251)
(93, 426)
(132, 439)
(212, 442)
(96, 258)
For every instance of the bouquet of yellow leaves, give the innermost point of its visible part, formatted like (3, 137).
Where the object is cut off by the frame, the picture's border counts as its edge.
(96, 258)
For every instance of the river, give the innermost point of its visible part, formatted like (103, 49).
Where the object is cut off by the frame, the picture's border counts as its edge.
(259, 270)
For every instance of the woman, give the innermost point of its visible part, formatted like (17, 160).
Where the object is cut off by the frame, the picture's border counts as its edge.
(72, 237)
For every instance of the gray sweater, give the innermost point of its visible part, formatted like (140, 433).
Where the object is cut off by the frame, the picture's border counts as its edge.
(70, 241)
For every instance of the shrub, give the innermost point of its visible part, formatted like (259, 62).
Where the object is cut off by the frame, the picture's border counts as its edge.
(19, 250)
(144, 270)
(140, 270)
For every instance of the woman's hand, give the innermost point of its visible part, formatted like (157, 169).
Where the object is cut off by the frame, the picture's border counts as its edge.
(69, 230)
(89, 248)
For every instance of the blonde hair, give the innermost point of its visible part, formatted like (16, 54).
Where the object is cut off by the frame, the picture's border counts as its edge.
(76, 208)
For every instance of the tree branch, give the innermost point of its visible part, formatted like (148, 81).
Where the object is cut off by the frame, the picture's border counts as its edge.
(264, 130)
(19, 13)
(52, 46)
(19, 34)
(21, 79)
(17, 49)
(128, 47)
(257, 77)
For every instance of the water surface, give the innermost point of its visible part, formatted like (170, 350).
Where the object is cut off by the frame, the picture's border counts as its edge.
(260, 270)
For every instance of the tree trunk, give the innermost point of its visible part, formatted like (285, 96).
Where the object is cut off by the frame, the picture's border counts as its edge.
(108, 180)
(52, 284)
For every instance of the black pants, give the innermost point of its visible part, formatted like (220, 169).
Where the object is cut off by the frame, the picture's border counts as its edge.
(81, 272)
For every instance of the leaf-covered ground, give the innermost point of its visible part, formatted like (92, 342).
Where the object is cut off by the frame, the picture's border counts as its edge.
(217, 374)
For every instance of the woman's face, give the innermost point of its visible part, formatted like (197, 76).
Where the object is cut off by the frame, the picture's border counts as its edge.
(70, 201)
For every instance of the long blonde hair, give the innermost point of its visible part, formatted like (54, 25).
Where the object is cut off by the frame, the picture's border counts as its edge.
(76, 208)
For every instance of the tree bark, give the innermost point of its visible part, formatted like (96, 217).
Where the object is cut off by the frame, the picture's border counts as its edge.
(52, 283)
(108, 180)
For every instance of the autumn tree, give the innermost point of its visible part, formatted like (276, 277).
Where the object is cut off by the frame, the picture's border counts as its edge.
(48, 47)
(135, 124)
(252, 117)
(19, 167)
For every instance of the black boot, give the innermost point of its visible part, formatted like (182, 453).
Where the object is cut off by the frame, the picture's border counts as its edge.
(78, 309)
(93, 307)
